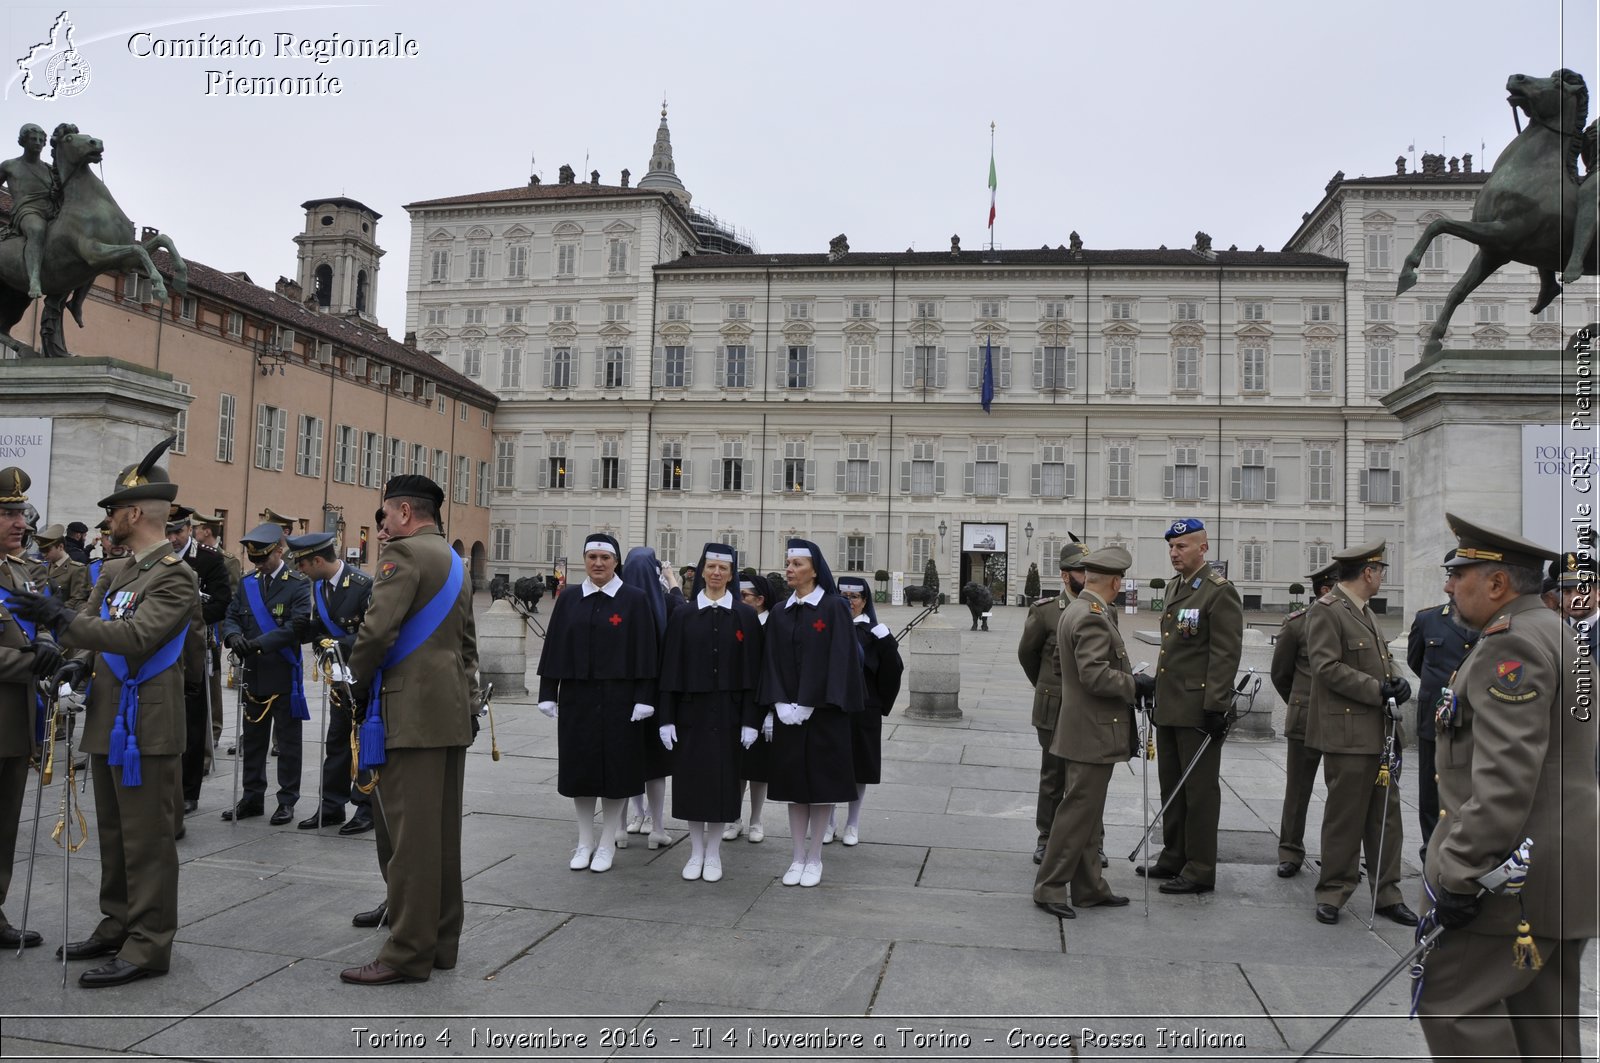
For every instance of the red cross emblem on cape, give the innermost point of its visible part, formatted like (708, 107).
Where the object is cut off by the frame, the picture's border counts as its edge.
(616, 619)
(819, 626)
(738, 636)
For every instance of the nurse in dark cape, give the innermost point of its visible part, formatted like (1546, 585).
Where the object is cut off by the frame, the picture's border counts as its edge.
(644, 573)
(710, 664)
(756, 764)
(882, 670)
(812, 681)
(597, 680)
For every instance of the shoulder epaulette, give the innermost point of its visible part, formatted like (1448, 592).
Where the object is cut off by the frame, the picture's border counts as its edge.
(1327, 599)
(1499, 624)
(171, 559)
(360, 576)
(1294, 615)
(1218, 578)
(1047, 598)
(1094, 607)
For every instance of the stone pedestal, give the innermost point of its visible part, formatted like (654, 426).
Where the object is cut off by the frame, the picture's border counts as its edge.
(105, 414)
(1463, 414)
(503, 650)
(1257, 724)
(934, 664)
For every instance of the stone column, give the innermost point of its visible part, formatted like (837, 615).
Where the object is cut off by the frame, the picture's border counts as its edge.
(1257, 723)
(934, 664)
(503, 650)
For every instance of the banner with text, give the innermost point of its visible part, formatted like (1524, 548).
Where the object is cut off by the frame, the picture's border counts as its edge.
(1558, 485)
(25, 443)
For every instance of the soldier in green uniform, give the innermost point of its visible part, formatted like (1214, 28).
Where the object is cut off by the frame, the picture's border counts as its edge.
(1037, 652)
(1291, 678)
(20, 659)
(1095, 732)
(208, 532)
(1516, 755)
(1202, 639)
(417, 650)
(1353, 678)
(134, 733)
(68, 579)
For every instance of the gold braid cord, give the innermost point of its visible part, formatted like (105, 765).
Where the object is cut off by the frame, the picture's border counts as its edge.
(266, 706)
(62, 835)
(326, 671)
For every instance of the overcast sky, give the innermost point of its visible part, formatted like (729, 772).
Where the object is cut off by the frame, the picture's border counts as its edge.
(1135, 124)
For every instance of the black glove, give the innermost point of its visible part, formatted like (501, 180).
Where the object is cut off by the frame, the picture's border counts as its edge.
(70, 673)
(1395, 687)
(1455, 910)
(304, 628)
(51, 612)
(237, 644)
(1144, 687)
(46, 659)
(1216, 724)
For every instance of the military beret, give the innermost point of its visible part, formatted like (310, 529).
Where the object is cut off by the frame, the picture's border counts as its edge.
(310, 544)
(1072, 555)
(599, 541)
(1478, 545)
(1185, 525)
(1110, 560)
(413, 486)
(1367, 553)
(14, 484)
(143, 481)
(77, 527)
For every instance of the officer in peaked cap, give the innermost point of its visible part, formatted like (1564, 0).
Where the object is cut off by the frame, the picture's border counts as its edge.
(18, 663)
(1202, 639)
(68, 579)
(1291, 678)
(339, 597)
(286, 523)
(1353, 677)
(259, 628)
(134, 733)
(1516, 746)
(1574, 579)
(215, 594)
(1096, 731)
(1037, 653)
(1438, 643)
(208, 533)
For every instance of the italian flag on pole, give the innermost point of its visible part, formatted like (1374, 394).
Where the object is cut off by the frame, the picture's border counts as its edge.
(993, 184)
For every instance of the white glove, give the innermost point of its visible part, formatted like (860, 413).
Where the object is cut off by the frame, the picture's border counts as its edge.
(766, 727)
(548, 708)
(880, 631)
(642, 712)
(669, 735)
(785, 711)
(802, 713)
(747, 736)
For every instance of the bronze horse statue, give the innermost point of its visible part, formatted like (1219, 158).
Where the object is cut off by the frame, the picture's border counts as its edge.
(1530, 209)
(88, 236)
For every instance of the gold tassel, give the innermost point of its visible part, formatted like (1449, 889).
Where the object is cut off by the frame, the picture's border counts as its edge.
(1150, 749)
(1383, 775)
(1525, 954)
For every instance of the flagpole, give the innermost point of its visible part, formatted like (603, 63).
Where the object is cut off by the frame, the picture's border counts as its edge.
(992, 188)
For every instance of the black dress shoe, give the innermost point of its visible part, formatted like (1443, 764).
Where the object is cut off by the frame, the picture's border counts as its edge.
(1103, 861)
(1327, 913)
(11, 937)
(1286, 869)
(377, 917)
(275, 751)
(89, 948)
(244, 810)
(191, 804)
(283, 815)
(321, 819)
(1057, 909)
(1156, 871)
(1038, 855)
(1399, 913)
(359, 823)
(180, 834)
(1183, 885)
(117, 972)
(1112, 901)
(232, 750)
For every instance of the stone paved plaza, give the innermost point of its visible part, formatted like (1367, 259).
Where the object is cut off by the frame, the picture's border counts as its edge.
(922, 936)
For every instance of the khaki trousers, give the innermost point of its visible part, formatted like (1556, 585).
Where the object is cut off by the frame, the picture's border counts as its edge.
(420, 792)
(1302, 765)
(13, 796)
(1357, 812)
(1071, 856)
(138, 858)
(1476, 1006)
(1052, 782)
(1189, 829)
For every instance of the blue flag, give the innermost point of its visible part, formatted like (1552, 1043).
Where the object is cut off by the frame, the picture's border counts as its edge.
(986, 394)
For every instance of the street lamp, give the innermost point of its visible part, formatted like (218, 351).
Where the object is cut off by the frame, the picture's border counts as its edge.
(942, 529)
(1027, 530)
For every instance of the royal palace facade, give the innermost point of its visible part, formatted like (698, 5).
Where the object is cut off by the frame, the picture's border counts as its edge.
(656, 387)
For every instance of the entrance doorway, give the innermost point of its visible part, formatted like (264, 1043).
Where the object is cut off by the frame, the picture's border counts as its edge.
(984, 557)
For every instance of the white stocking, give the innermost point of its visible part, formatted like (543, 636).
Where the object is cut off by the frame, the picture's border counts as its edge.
(697, 839)
(758, 800)
(611, 809)
(656, 791)
(714, 842)
(583, 807)
(854, 819)
(638, 805)
(821, 816)
(798, 817)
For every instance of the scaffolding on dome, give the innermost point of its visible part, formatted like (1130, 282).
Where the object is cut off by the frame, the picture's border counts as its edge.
(717, 237)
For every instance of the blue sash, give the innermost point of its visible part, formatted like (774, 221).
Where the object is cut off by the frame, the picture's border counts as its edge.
(322, 611)
(94, 570)
(124, 751)
(30, 629)
(413, 633)
(264, 621)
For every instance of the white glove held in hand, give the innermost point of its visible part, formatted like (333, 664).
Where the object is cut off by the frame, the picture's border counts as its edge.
(880, 631)
(786, 712)
(548, 708)
(642, 712)
(802, 713)
(747, 736)
(669, 735)
(766, 727)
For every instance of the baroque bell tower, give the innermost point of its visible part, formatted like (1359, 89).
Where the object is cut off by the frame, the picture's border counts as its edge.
(339, 256)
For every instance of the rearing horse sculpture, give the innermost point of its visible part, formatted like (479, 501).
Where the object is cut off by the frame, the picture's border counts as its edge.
(88, 236)
(1529, 207)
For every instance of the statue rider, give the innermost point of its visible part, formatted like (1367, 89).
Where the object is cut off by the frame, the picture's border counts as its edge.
(35, 197)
